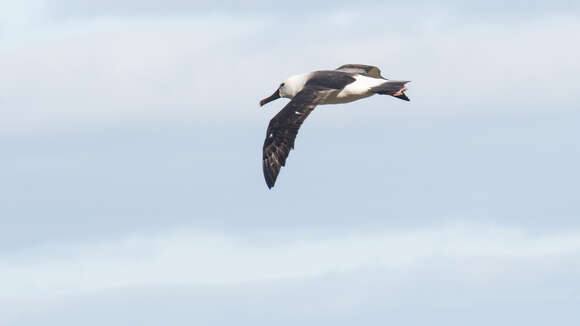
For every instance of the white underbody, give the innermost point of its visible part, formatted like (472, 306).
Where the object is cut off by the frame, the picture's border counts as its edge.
(356, 90)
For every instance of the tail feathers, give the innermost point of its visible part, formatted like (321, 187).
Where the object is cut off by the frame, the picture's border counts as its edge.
(402, 97)
(394, 88)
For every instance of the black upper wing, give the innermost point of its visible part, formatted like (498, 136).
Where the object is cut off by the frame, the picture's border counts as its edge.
(331, 79)
(283, 129)
(371, 71)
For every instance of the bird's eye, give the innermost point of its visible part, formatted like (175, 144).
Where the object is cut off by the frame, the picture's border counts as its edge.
(282, 85)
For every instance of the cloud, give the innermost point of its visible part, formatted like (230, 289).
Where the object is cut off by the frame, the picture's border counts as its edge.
(136, 69)
(21, 13)
(69, 8)
(193, 276)
(112, 70)
(189, 257)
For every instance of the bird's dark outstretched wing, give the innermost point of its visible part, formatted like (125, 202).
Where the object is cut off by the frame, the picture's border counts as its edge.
(370, 71)
(283, 129)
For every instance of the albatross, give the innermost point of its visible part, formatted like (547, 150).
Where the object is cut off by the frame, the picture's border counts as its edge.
(345, 84)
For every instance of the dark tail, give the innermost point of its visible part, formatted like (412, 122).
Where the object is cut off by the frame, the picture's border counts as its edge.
(394, 88)
(402, 97)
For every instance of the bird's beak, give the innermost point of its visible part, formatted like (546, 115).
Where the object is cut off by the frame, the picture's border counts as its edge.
(270, 98)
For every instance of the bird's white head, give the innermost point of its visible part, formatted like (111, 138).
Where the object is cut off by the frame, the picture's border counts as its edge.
(288, 89)
(291, 86)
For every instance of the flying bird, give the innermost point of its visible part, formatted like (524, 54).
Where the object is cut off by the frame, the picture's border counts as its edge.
(345, 84)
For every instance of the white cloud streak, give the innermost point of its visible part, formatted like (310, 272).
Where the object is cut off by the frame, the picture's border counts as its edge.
(472, 253)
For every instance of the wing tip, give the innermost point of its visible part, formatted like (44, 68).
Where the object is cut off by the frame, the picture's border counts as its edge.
(268, 175)
(270, 182)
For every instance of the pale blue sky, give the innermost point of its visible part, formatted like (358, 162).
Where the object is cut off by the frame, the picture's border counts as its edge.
(132, 189)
